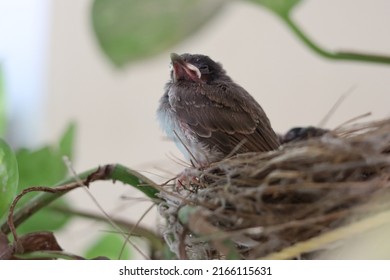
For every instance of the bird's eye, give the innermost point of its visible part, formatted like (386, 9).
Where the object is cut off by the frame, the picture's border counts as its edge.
(170, 66)
(204, 69)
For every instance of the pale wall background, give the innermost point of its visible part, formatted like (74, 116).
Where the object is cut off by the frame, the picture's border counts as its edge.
(115, 110)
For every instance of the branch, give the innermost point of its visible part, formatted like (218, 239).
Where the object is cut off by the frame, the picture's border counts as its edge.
(337, 55)
(114, 172)
(154, 240)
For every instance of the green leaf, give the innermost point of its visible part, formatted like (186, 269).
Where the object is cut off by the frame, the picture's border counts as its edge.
(3, 117)
(8, 177)
(44, 167)
(128, 30)
(135, 179)
(46, 219)
(280, 7)
(108, 245)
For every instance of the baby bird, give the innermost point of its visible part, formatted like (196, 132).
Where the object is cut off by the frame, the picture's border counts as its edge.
(208, 115)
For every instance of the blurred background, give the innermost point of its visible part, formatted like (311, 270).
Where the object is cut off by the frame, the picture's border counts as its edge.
(55, 71)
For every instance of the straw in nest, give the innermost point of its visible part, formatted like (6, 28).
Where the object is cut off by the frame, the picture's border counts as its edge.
(258, 204)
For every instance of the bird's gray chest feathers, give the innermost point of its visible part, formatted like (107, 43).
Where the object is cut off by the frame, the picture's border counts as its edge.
(174, 101)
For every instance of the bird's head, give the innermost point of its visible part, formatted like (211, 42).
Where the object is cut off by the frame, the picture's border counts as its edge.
(195, 68)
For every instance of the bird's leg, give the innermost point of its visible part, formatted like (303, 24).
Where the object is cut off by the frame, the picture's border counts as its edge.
(186, 182)
(189, 178)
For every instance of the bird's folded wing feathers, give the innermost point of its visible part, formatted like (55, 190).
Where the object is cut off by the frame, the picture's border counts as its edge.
(225, 118)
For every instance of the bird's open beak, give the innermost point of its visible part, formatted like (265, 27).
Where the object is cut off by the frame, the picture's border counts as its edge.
(184, 70)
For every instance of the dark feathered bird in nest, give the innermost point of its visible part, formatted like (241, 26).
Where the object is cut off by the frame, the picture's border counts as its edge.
(208, 115)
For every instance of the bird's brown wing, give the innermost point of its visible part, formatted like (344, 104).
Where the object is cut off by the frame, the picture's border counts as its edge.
(224, 116)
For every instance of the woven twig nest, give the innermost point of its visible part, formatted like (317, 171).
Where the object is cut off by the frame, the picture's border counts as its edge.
(252, 205)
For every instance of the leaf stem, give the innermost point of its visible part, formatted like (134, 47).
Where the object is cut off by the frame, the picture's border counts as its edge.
(114, 172)
(336, 55)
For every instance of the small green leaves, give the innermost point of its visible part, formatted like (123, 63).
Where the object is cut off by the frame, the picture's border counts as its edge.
(280, 7)
(128, 30)
(8, 177)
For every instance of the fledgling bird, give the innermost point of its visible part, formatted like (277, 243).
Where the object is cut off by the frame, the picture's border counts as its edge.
(208, 115)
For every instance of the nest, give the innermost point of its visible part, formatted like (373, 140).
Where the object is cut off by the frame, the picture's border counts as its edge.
(257, 204)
